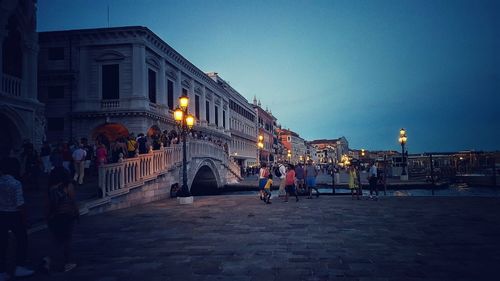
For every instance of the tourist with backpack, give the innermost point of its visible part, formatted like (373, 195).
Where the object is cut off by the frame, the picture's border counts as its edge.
(279, 172)
(62, 212)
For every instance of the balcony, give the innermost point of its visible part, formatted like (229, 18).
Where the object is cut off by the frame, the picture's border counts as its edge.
(11, 85)
(110, 104)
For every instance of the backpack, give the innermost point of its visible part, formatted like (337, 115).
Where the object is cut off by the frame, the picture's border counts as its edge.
(277, 171)
(60, 202)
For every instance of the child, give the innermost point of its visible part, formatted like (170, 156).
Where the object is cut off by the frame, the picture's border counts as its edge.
(267, 189)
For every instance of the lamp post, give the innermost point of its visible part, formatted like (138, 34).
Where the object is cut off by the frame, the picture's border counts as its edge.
(402, 141)
(289, 156)
(260, 146)
(185, 123)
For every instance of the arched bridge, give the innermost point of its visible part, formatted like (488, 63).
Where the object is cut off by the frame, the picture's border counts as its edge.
(149, 177)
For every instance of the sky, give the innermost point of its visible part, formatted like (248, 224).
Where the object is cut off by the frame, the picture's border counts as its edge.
(326, 69)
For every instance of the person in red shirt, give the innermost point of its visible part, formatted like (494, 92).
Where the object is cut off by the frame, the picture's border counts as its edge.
(290, 183)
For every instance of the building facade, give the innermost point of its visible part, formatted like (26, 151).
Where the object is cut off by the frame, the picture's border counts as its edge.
(110, 82)
(293, 144)
(242, 124)
(331, 150)
(21, 113)
(265, 126)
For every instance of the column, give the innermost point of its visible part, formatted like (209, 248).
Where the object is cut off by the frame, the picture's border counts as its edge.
(139, 72)
(161, 95)
(203, 119)
(191, 96)
(83, 78)
(177, 88)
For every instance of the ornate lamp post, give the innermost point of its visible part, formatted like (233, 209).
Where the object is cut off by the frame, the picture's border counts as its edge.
(185, 123)
(402, 141)
(260, 146)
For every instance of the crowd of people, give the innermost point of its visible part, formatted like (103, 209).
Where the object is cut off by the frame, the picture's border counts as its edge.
(301, 180)
(294, 180)
(61, 213)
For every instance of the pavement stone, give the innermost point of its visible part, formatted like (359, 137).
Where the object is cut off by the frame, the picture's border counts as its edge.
(330, 238)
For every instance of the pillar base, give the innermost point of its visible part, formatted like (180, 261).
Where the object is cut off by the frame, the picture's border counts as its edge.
(404, 177)
(185, 200)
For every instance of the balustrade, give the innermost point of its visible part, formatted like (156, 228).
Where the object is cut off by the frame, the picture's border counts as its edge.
(132, 172)
(105, 104)
(11, 85)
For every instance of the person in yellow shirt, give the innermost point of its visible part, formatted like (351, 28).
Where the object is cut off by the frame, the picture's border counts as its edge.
(267, 189)
(131, 146)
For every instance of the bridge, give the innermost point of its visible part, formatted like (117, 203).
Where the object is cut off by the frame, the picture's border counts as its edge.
(150, 177)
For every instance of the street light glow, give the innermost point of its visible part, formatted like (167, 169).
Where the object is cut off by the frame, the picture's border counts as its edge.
(178, 114)
(183, 102)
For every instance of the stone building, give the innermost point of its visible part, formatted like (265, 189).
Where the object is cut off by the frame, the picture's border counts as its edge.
(21, 114)
(331, 149)
(109, 82)
(243, 125)
(295, 144)
(266, 129)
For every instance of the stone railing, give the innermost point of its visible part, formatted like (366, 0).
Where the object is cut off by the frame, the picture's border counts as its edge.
(118, 178)
(234, 168)
(110, 104)
(11, 85)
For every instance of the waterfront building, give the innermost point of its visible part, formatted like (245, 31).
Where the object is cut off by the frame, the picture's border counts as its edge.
(295, 144)
(109, 82)
(21, 113)
(331, 149)
(242, 124)
(265, 125)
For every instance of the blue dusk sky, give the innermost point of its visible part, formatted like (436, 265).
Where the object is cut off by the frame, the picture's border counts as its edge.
(326, 69)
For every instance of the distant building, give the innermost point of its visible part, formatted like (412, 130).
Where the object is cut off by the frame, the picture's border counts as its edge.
(331, 149)
(243, 125)
(295, 144)
(265, 125)
(109, 82)
(21, 113)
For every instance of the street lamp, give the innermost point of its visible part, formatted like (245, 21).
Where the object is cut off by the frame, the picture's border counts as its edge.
(260, 146)
(402, 140)
(185, 123)
(289, 156)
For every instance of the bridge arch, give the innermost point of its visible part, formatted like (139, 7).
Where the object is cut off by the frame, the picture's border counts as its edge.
(207, 179)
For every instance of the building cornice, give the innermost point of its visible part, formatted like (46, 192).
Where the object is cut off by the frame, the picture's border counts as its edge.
(131, 32)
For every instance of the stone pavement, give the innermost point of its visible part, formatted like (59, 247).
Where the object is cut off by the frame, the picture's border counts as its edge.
(330, 238)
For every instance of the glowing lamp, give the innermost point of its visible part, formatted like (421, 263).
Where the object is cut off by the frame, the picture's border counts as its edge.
(178, 114)
(183, 102)
(261, 137)
(190, 121)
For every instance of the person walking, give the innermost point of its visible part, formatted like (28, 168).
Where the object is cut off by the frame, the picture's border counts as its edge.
(354, 182)
(372, 179)
(263, 175)
(61, 213)
(280, 172)
(12, 218)
(267, 189)
(311, 173)
(79, 156)
(45, 152)
(299, 177)
(290, 183)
